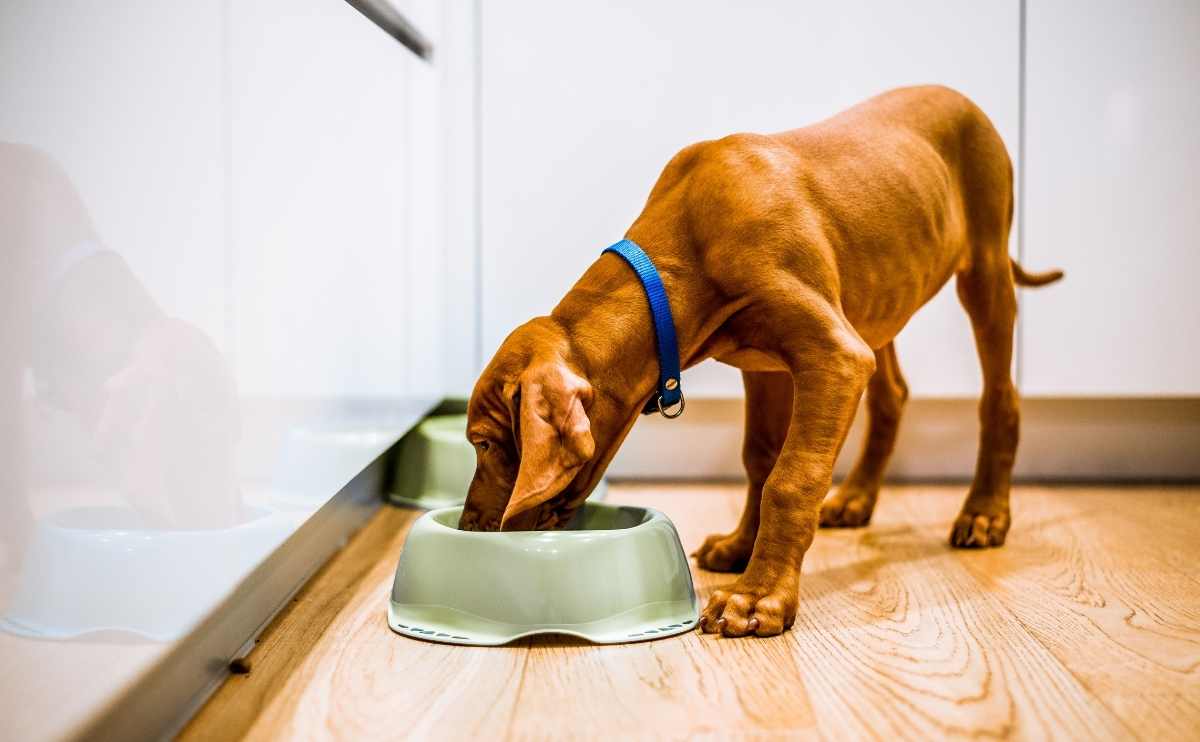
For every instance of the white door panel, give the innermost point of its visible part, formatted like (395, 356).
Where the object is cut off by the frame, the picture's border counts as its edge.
(209, 322)
(426, 255)
(1111, 197)
(318, 149)
(126, 102)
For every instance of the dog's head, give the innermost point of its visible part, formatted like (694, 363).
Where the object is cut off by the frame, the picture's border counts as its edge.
(528, 420)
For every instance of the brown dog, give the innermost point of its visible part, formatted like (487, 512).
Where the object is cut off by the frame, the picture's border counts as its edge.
(796, 257)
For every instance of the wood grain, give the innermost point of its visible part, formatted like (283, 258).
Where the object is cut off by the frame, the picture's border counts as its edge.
(1086, 625)
(1107, 582)
(678, 689)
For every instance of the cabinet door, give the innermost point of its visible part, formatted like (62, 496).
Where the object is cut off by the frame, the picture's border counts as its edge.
(124, 106)
(1111, 184)
(319, 182)
(583, 104)
(112, 220)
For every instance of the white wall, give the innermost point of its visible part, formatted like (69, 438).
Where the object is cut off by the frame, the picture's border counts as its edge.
(583, 104)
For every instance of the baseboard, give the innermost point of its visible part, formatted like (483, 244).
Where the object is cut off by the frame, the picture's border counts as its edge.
(1061, 440)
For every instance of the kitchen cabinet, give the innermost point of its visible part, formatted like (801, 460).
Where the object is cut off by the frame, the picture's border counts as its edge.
(1111, 198)
(224, 289)
(320, 179)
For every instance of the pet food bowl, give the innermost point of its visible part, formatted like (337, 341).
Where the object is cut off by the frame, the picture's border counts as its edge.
(615, 574)
(436, 463)
(102, 569)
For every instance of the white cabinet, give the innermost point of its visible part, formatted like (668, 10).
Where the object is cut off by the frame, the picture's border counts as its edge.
(221, 298)
(422, 317)
(125, 105)
(457, 63)
(584, 103)
(1111, 197)
(320, 152)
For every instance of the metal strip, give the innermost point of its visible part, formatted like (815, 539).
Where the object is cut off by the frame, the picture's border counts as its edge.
(393, 22)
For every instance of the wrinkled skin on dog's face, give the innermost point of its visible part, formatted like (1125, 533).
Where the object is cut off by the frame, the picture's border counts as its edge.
(528, 421)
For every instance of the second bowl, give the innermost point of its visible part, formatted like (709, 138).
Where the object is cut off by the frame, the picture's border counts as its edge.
(436, 463)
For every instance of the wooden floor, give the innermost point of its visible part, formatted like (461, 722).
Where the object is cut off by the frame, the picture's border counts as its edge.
(1085, 626)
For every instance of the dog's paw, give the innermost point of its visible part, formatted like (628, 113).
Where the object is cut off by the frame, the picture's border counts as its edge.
(848, 509)
(743, 610)
(724, 552)
(973, 530)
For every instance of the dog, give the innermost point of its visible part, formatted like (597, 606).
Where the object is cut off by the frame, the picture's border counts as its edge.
(796, 257)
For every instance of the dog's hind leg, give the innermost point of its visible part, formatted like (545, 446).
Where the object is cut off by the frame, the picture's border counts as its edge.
(986, 291)
(854, 501)
(768, 412)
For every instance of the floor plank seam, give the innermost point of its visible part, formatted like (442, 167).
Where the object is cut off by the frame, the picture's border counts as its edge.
(526, 651)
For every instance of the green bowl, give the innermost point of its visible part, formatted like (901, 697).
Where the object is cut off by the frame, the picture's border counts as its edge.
(436, 462)
(615, 574)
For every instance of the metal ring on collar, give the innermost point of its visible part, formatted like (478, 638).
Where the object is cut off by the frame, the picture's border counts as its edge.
(670, 415)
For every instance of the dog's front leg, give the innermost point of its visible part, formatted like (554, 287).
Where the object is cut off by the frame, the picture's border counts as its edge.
(768, 416)
(829, 377)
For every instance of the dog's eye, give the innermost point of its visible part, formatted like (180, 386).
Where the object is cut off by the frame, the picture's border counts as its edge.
(484, 445)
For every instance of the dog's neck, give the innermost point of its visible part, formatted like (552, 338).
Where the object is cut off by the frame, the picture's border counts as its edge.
(611, 331)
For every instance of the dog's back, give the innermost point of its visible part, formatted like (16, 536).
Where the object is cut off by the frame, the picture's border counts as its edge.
(883, 203)
(917, 186)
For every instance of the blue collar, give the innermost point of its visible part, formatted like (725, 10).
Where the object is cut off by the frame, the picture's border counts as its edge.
(670, 393)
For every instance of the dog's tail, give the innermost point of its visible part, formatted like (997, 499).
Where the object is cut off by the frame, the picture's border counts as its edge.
(1021, 278)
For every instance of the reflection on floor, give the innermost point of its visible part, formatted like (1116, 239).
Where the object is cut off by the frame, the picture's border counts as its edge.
(1086, 625)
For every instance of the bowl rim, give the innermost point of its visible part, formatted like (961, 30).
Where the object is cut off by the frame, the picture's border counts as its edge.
(441, 425)
(652, 516)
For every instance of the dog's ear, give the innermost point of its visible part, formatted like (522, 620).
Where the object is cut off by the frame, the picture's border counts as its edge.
(553, 434)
